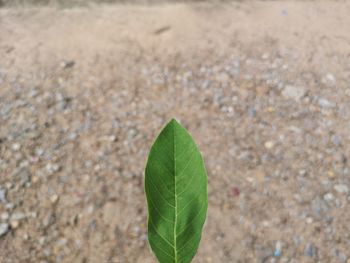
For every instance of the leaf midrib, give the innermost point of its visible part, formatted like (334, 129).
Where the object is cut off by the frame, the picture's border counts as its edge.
(175, 195)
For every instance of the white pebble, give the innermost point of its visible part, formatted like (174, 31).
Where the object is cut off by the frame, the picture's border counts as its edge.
(269, 144)
(16, 147)
(292, 92)
(341, 188)
(4, 216)
(331, 79)
(328, 197)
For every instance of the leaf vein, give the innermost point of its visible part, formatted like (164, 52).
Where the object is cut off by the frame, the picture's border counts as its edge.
(156, 209)
(185, 244)
(160, 193)
(189, 223)
(155, 229)
(192, 148)
(188, 162)
(161, 178)
(190, 202)
(189, 183)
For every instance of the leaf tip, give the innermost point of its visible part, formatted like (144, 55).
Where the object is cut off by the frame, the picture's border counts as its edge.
(173, 121)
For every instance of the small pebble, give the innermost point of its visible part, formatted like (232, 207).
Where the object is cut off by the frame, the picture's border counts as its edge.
(48, 220)
(336, 139)
(67, 64)
(235, 191)
(33, 93)
(62, 242)
(309, 220)
(331, 174)
(265, 56)
(328, 197)
(296, 240)
(310, 250)
(9, 206)
(4, 228)
(324, 103)
(330, 79)
(341, 188)
(269, 144)
(4, 216)
(18, 216)
(16, 147)
(292, 92)
(3, 196)
(278, 249)
(54, 198)
(25, 236)
(42, 240)
(14, 224)
(52, 168)
(39, 152)
(72, 136)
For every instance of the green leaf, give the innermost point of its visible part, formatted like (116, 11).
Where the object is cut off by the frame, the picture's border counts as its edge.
(177, 197)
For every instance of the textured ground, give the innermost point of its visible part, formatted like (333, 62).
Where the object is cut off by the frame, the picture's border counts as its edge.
(262, 86)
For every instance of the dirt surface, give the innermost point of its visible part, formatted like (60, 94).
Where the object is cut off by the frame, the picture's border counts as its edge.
(262, 86)
(84, 3)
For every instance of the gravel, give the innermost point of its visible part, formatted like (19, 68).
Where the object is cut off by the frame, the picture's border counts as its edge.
(324, 103)
(77, 122)
(310, 250)
(18, 216)
(3, 195)
(341, 188)
(4, 228)
(293, 92)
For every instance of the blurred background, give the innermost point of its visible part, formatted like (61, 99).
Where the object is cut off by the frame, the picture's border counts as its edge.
(263, 87)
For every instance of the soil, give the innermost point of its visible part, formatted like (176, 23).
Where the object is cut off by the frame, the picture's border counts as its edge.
(263, 87)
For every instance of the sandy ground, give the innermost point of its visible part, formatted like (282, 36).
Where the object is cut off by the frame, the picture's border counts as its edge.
(262, 86)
